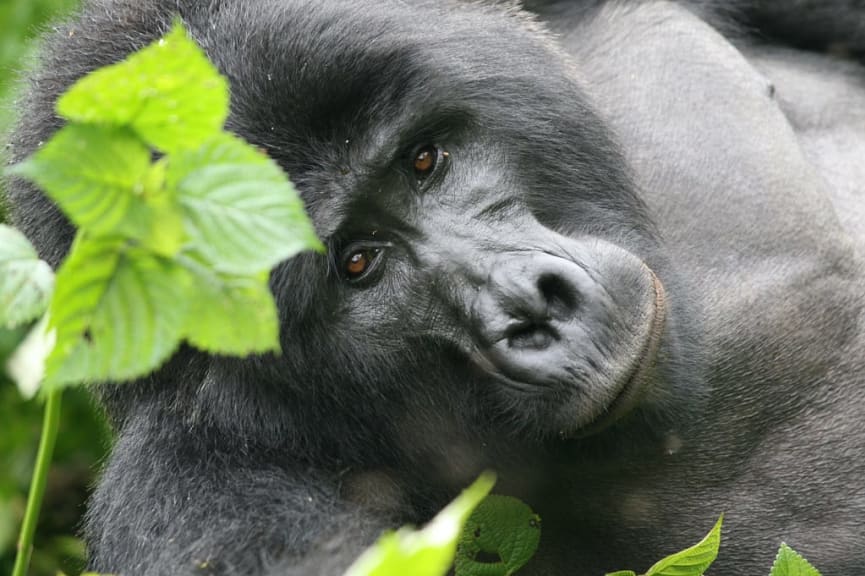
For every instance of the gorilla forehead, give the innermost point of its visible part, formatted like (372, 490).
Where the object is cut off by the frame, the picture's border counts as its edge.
(332, 88)
(306, 74)
(339, 92)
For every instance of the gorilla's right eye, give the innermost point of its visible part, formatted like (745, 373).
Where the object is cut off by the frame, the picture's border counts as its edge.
(425, 160)
(359, 261)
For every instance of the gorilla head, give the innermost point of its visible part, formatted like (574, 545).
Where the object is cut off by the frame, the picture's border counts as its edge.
(484, 240)
(491, 272)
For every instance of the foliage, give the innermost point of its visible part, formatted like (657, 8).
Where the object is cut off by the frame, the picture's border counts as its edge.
(201, 225)
(83, 437)
(503, 529)
(789, 563)
(82, 441)
(26, 283)
(158, 241)
(693, 561)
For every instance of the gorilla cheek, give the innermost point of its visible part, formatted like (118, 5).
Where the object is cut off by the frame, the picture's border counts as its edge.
(576, 332)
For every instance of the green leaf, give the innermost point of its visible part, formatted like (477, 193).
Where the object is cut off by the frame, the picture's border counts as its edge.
(692, 561)
(426, 552)
(500, 526)
(156, 222)
(91, 172)
(26, 282)
(240, 211)
(118, 311)
(157, 226)
(169, 93)
(231, 314)
(621, 573)
(790, 563)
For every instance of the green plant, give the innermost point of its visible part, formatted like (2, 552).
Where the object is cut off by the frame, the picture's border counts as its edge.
(691, 561)
(426, 552)
(789, 563)
(503, 528)
(156, 241)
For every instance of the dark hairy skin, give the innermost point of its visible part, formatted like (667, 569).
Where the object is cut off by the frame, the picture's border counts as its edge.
(612, 250)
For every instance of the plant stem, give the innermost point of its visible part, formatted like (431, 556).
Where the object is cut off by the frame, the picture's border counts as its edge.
(50, 426)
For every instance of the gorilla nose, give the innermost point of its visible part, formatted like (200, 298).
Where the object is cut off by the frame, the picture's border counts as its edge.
(534, 317)
(534, 302)
(527, 301)
(578, 333)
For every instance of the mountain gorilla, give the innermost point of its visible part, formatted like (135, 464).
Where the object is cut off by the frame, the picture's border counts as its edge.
(612, 250)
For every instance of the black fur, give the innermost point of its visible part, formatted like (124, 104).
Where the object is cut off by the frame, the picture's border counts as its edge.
(393, 392)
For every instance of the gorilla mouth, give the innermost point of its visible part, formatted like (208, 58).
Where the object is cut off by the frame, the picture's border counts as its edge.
(637, 381)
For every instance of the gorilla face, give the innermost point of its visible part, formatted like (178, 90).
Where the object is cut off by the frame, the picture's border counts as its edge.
(482, 229)
(562, 328)
(490, 266)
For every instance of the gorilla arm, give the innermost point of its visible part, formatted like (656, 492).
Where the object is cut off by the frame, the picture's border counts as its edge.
(217, 510)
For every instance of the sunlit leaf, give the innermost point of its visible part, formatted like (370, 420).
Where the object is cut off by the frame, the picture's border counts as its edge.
(118, 311)
(691, 561)
(425, 552)
(240, 210)
(156, 223)
(790, 563)
(169, 93)
(92, 172)
(231, 314)
(126, 291)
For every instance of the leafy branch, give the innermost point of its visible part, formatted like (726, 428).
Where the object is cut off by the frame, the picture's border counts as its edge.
(166, 250)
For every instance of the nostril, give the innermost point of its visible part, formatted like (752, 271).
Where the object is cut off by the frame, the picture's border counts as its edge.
(529, 335)
(559, 295)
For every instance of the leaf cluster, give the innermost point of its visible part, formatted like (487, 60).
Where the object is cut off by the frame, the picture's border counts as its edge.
(178, 222)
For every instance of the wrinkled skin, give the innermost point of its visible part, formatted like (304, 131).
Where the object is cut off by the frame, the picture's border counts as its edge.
(632, 282)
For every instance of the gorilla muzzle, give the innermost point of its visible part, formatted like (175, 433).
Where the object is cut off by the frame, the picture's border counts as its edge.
(577, 322)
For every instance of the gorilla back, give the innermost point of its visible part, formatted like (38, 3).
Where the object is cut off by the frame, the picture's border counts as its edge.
(616, 263)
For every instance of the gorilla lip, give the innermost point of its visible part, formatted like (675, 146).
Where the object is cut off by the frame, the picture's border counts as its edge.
(634, 385)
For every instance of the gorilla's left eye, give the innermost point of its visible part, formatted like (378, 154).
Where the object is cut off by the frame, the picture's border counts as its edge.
(425, 160)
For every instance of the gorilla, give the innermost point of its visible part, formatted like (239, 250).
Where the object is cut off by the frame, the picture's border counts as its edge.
(612, 250)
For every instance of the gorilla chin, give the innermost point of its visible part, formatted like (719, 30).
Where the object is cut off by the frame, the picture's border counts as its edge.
(577, 331)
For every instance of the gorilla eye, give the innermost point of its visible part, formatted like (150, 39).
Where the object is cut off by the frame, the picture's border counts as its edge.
(358, 262)
(425, 161)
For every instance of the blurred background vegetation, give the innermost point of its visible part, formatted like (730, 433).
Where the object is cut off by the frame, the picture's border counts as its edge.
(83, 437)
